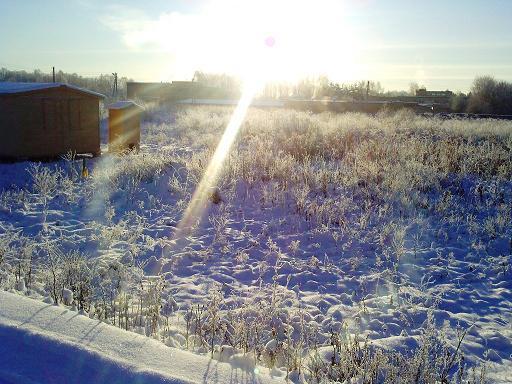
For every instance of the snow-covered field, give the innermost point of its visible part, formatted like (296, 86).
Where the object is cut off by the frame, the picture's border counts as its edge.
(334, 247)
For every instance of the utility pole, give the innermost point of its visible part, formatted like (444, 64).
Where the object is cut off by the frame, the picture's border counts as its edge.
(53, 71)
(114, 90)
(367, 90)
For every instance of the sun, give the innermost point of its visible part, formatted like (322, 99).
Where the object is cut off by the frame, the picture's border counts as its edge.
(285, 40)
(256, 40)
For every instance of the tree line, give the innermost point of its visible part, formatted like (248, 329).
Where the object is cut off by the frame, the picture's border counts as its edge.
(487, 96)
(312, 87)
(103, 83)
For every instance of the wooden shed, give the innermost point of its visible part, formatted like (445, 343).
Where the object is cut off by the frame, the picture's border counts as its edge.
(45, 120)
(124, 126)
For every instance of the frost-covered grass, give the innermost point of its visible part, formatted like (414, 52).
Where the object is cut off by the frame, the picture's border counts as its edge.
(335, 247)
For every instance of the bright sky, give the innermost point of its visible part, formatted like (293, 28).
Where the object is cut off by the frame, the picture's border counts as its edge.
(438, 43)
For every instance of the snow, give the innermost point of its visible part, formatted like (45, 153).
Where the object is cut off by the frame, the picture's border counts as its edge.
(20, 285)
(271, 346)
(44, 343)
(67, 296)
(325, 271)
(14, 87)
(122, 104)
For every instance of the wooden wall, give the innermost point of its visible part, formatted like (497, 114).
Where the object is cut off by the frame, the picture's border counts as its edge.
(123, 129)
(48, 123)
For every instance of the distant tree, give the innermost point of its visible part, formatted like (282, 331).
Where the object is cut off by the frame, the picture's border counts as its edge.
(490, 96)
(413, 87)
(222, 86)
(482, 95)
(322, 88)
(396, 93)
(305, 88)
(459, 102)
(503, 102)
(376, 88)
(353, 91)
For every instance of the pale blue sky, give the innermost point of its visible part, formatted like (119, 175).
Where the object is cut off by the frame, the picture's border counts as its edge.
(441, 44)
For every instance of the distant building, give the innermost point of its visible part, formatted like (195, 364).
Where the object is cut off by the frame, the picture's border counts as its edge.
(146, 91)
(163, 92)
(435, 100)
(45, 120)
(422, 92)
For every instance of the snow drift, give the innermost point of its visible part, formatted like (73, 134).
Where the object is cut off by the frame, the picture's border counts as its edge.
(42, 343)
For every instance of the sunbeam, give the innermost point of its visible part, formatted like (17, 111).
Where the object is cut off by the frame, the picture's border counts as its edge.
(199, 200)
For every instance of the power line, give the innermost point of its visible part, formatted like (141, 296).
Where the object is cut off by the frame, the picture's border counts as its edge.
(114, 90)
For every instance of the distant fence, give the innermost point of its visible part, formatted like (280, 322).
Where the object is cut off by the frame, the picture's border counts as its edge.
(233, 102)
(369, 107)
(473, 116)
(317, 106)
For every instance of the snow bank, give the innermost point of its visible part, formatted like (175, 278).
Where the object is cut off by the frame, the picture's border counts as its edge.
(42, 343)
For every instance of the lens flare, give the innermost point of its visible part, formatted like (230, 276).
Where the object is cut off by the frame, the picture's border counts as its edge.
(270, 41)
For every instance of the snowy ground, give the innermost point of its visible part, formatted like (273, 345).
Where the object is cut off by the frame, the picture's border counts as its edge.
(295, 253)
(43, 343)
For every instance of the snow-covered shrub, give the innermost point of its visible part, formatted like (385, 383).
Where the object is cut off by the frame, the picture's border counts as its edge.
(45, 181)
(77, 274)
(67, 296)
(109, 281)
(433, 360)
(52, 261)
(13, 199)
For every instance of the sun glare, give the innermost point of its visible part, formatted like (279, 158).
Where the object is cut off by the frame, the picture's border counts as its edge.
(275, 40)
(284, 40)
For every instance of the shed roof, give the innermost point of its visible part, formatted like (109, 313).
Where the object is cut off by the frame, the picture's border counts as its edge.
(9, 87)
(122, 104)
